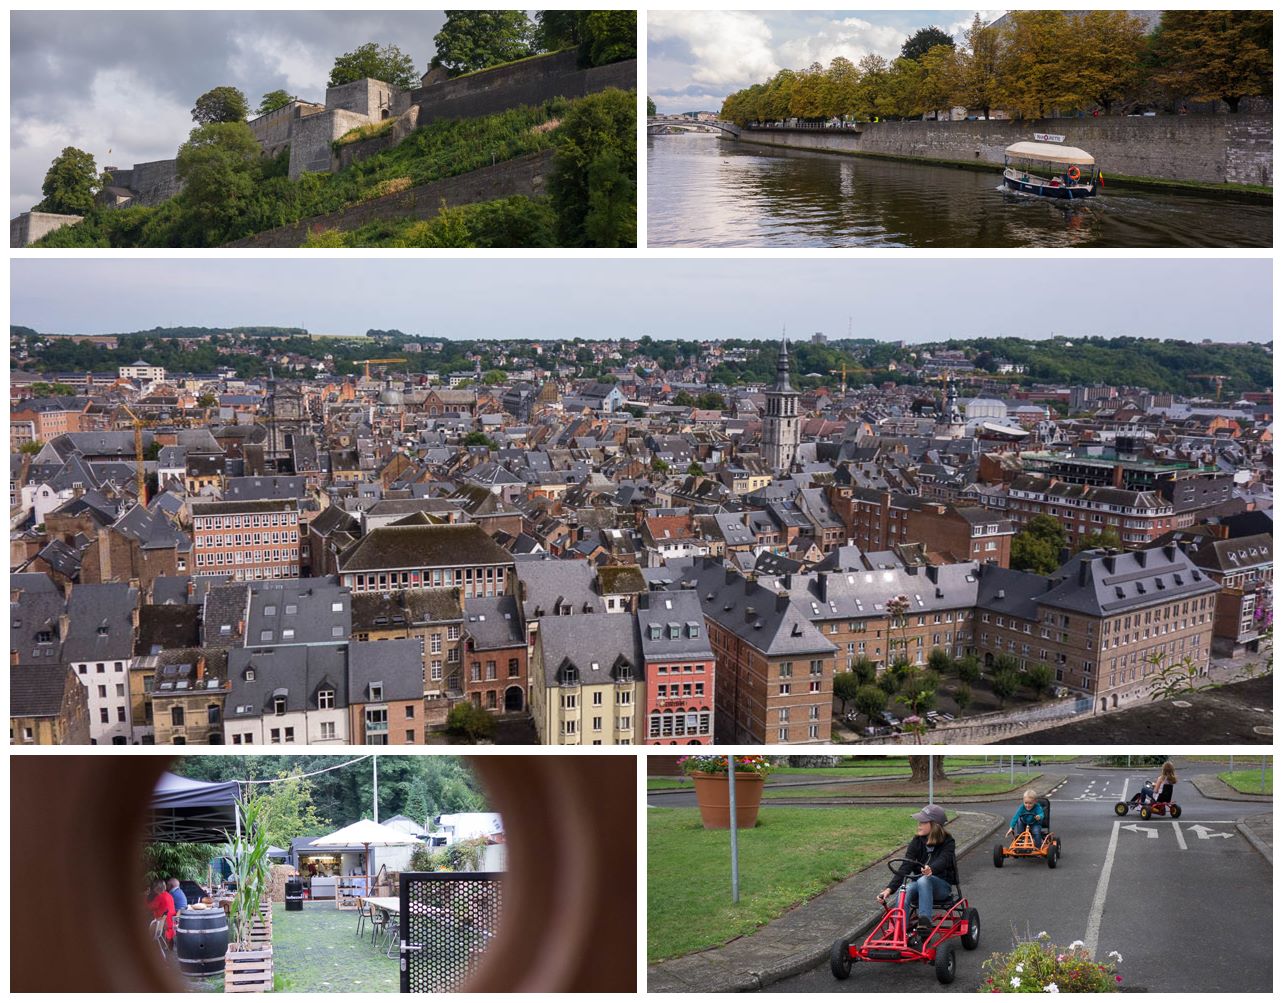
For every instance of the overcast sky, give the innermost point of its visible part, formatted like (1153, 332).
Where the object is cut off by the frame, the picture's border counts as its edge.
(694, 59)
(122, 84)
(915, 299)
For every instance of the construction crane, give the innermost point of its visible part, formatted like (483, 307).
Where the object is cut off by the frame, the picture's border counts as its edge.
(140, 471)
(368, 362)
(1215, 378)
(847, 369)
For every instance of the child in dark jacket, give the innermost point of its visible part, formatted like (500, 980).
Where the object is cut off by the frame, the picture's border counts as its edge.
(932, 847)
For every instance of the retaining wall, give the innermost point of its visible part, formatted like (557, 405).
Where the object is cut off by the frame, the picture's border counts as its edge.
(1209, 149)
(28, 227)
(521, 176)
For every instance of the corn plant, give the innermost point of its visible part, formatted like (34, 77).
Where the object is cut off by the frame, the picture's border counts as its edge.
(250, 867)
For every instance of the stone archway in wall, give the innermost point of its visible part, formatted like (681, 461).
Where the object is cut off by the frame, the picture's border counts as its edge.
(513, 700)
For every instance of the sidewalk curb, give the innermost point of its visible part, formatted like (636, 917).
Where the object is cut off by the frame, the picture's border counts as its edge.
(1263, 848)
(1047, 780)
(1237, 796)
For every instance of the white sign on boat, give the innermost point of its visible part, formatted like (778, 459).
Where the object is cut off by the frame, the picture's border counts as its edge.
(1046, 137)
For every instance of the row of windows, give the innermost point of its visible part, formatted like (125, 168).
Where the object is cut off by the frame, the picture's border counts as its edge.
(664, 670)
(676, 724)
(435, 577)
(209, 522)
(247, 539)
(681, 689)
(221, 558)
(623, 698)
(571, 726)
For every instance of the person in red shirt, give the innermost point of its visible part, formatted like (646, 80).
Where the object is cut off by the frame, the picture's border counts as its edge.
(162, 905)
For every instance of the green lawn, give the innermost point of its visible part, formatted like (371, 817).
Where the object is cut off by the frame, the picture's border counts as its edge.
(792, 855)
(973, 783)
(317, 951)
(668, 784)
(1249, 781)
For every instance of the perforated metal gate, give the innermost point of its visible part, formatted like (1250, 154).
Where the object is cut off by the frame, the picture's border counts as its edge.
(448, 919)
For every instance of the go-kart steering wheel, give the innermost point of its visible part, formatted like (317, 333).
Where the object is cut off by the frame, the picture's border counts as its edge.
(916, 864)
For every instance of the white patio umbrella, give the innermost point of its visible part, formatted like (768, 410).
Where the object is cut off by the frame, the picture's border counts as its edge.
(365, 833)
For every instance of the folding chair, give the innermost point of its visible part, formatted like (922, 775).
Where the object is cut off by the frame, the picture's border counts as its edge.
(362, 914)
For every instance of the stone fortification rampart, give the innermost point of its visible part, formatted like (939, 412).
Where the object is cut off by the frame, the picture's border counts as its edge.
(1206, 149)
(28, 227)
(275, 129)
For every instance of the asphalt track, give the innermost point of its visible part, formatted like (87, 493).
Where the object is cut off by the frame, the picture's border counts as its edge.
(1187, 904)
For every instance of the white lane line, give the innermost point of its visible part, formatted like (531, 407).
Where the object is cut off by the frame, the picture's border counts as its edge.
(1092, 937)
(1180, 836)
(1123, 798)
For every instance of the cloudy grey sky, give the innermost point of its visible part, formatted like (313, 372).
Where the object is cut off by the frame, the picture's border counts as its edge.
(910, 298)
(694, 59)
(122, 84)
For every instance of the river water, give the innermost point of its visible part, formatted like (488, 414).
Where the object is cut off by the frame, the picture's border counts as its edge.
(704, 191)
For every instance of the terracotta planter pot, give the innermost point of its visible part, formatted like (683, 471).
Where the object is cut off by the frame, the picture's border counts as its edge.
(712, 793)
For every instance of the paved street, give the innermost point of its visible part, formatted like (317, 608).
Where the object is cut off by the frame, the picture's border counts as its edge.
(1186, 903)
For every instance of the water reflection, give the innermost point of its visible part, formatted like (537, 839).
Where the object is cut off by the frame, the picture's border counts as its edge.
(708, 192)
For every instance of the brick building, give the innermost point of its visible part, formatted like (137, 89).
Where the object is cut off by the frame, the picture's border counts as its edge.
(679, 670)
(418, 556)
(495, 655)
(248, 540)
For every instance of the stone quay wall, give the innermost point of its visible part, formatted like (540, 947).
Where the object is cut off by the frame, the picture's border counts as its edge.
(1205, 149)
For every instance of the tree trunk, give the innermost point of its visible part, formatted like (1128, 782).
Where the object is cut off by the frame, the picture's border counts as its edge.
(918, 766)
(1233, 103)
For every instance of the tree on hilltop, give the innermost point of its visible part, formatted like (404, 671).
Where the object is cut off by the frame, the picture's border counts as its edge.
(558, 29)
(219, 168)
(476, 39)
(70, 184)
(222, 104)
(273, 101)
(593, 186)
(386, 63)
(923, 41)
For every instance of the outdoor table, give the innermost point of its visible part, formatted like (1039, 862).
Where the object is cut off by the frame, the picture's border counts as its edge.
(390, 905)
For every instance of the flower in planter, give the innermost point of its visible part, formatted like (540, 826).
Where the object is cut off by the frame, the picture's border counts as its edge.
(759, 765)
(1039, 966)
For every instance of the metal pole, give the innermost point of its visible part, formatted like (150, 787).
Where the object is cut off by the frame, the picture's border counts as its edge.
(1013, 769)
(1264, 760)
(375, 761)
(931, 780)
(735, 849)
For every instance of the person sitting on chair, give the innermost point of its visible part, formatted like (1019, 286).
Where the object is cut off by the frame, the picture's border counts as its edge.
(1030, 815)
(175, 889)
(162, 906)
(932, 847)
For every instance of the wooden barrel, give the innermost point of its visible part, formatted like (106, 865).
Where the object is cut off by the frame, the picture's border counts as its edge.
(200, 941)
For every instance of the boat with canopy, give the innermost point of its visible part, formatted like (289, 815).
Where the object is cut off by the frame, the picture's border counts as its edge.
(1050, 170)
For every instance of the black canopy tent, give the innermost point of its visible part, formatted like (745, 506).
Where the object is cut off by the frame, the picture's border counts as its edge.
(194, 811)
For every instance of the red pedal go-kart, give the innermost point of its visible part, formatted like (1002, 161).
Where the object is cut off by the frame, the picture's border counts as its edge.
(1023, 845)
(1148, 806)
(890, 939)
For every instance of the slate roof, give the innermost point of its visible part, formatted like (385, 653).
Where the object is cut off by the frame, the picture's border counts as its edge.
(297, 672)
(548, 583)
(494, 623)
(1005, 590)
(409, 547)
(598, 646)
(1234, 555)
(398, 665)
(223, 615)
(102, 627)
(1100, 583)
(40, 604)
(38, 690)
(298, 611)
(672, 626)
(173, 626)
(388, 610)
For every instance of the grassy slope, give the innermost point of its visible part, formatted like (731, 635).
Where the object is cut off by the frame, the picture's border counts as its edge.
(791, 856)
(1249, 781)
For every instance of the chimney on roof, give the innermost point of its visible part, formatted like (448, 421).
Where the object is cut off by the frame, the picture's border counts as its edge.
(730, 574)
(200, 667)
(1084, 570)
(822, 583)
(64, 625)
(1169, 551)
(1117, 477)
(1110, 563)
(788, 580)
(933, 574)
(781, 602)
(1140, 558)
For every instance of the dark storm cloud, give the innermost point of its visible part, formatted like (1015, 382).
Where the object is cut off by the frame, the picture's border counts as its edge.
(124, 80)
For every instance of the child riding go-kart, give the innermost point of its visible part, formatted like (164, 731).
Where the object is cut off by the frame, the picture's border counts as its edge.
(928, 911)
(1149, 803)
(1033, 836)
(896, 937)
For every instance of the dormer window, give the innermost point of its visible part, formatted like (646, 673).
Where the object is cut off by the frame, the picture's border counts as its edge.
(325, 699)
(278, 706)
(656, 632)
(376, 692)
(102, 631)
(249, 674)
(674, 631)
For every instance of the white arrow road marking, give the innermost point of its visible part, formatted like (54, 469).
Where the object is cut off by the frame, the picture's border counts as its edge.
(1206, 833)
(1180, 836)
(1149, 831)
(1092, 937)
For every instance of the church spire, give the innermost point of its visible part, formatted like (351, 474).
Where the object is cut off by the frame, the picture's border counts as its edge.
(782, 366)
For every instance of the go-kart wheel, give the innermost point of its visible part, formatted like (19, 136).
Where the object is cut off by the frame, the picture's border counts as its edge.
(946, 963)
(1120, 808)
(1145, 811)
(997, 855)
(1060, 851)
(971, 939)
(840, 959)
(1053, 852)
(1175, 810)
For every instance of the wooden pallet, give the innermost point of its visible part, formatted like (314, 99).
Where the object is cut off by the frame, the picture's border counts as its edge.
(248, 971)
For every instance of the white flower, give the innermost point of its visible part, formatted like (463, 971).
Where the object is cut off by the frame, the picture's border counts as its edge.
(1044, 935)
(1051, 987)
(1116, 956)
(1076, 944)
(1020, 968)
(1015, 982)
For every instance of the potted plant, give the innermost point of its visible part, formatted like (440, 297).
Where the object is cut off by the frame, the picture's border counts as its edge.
(248, 964)
(1039, 966)
(712, 790)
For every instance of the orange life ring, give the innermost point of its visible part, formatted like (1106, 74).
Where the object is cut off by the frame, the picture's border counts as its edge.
(1074, 173)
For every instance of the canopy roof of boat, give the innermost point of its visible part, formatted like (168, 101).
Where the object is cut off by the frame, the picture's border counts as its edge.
(1052, 152)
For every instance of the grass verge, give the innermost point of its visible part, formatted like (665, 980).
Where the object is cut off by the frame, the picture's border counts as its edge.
(1249, 781)
(962, 786)
(791, 856)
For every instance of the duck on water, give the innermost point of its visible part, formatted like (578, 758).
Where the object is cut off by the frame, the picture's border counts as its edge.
(1050, 170)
